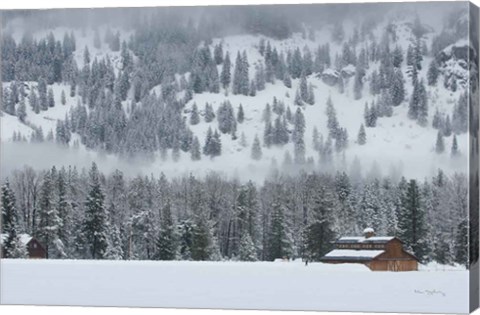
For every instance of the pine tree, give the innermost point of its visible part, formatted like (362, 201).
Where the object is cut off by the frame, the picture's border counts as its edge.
(22, 110)
(397, 89)
(218, 53)
(439, 145)
(202, 239)
(411, 223)
(362, 136)
(256, 149)
(287, 80)
(194, 116)
(63, 98)
(195, 150)
(447, 128)
(311, 95)
(247, 251)
(240, 114)
(454, 151)
(12, 247)
(166, 241)
(95, 224)
(279, 243)
(51, 100)
(209, 114)
(319, 234)
(49, 222)
(433, 72)
(225, 76)
(303, 88)
(34, 102)
(332, 122)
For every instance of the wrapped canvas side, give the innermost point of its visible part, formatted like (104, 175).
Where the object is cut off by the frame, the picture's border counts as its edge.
(474, 163)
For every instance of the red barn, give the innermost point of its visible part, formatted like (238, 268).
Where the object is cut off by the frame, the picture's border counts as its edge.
(34, 248)
(379, 253)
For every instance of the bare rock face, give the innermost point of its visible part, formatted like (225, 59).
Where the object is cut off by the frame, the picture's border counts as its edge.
(457, 64)
(330, 77)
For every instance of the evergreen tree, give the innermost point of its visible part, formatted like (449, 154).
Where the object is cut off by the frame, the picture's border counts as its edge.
(439, 145)
(202, 239)
(225, 76)
(332, 122)
(194, 116)
(166, 241)
(95, 224)
(256, 149)
(63, 98)
(447, 128)
(287, 80)
(454, 151)
(218, 53)
(209, 114)
(12, 247)
(34, 102)
(397, 89)
(362, 136)
(247, 251)
(195, 150)
(240, 114)
(411, 223)
(49, 220)
(433, 72)
(279, 237)
(22, 110)
(319, 234)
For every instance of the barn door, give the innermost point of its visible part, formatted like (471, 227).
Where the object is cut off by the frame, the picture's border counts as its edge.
(393, 265)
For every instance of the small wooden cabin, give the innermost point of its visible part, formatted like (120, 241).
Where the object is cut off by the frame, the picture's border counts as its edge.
(34, 248)
(379, 253)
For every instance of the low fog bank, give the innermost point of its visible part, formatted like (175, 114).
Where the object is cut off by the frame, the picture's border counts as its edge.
(17, 155)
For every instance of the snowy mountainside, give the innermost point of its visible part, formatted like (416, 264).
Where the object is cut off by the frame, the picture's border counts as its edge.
(396, 145)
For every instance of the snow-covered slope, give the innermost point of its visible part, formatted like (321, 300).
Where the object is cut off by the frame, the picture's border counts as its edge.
(397, 145)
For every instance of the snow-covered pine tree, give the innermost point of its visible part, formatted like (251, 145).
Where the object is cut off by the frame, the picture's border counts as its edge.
(454, 151)
(22, 110)
(311, 95)
(12, 247)
(287, 80)
(362, 136)
(209, 114)
(195, 150)
(247, 251)
(433, 73)
(49, 220)
(332, 122)
(240, 114)
(319, 234)
(218, 53)
(194, 116)
(95, 225)
(256, 153)
(439, 144)
(225, 76)
(166, 241)
(411, 220)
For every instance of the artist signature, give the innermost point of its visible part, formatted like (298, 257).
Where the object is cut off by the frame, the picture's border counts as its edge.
(430, 292)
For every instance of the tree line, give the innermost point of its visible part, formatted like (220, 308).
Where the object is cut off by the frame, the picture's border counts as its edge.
(86, 214)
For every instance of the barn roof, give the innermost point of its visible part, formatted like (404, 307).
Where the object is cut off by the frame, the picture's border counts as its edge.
(364, 240)
(352, 255)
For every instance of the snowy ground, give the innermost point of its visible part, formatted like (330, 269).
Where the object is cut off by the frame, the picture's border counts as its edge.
(239, 285)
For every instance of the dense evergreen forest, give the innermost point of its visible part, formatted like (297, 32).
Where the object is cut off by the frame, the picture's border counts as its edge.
(86, 214)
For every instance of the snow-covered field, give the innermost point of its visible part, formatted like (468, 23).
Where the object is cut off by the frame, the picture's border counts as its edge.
(238, 285)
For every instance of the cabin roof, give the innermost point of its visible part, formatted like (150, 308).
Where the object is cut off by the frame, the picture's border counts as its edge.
(364, 240)
(24, 238)
(352, 254)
